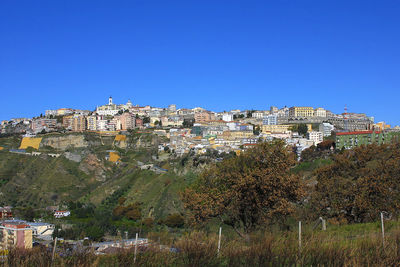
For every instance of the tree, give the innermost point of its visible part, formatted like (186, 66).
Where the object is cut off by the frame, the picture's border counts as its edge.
(188, 123)
(359, 184)
(256, 129)
(146, 120)
(247, 191)
(28, 214)
(302, 129)
(250, 113)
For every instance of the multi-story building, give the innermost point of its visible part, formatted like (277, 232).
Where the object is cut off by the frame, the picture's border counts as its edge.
(5, 213)
(172, 108)
(101, 125)
(326, 128)
(67, 121)
(257, 115)
(138, 122)
(351, 124)
(270, 119)
(316, 137)
(91, 122)
(125, 121)
(350, 140)
(204, 116)
(276, 128)
(227, 117)
(381, 126)
(41, 124)
(15, 234)
(273, 110)
(64, 111)
(78, 123)
(301, 112)
(320, 112)
(51, 112)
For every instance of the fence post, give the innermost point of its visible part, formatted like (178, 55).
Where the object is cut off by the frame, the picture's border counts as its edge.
(136, 243)
(383, 231)
(299, 235)
(323, 225)
(54, 251)
(219, 240)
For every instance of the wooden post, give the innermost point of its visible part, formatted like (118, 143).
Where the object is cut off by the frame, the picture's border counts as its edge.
(219, 240)
(323, 225)
(299, 235)
(136, 243)
(383, 231)
(54, 251)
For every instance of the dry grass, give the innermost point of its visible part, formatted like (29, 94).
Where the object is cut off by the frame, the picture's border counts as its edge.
(199, 249)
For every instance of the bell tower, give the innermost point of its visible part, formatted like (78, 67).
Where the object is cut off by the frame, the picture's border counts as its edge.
(110, 100)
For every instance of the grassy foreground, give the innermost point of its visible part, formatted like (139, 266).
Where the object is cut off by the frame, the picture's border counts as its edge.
(355, 245)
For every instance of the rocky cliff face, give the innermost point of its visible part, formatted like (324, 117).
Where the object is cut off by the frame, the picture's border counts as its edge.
(63, 142)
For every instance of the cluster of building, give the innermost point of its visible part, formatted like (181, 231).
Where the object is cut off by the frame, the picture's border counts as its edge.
(15, 233)
(199, 129)
(20, 234)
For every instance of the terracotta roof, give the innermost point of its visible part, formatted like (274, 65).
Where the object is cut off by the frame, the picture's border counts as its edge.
(357, 132)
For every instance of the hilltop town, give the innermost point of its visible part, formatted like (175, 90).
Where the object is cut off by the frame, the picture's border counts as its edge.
(198, 129)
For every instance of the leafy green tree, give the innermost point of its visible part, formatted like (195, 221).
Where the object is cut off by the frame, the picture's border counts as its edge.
(302, 129)
(146, 120)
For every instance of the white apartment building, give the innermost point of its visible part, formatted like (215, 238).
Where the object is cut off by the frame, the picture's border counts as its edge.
(270, 119)
(320, 112)
(227, 117)
(257, 115)
(316, 137)
(101, 125)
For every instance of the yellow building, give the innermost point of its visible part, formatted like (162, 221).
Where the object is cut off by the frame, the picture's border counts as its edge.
(301, 112)
(276, 128)
(78, 123)
(381, 126)
(239, 134)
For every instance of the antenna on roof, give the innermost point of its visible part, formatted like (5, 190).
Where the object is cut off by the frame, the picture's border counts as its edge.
(345, 116)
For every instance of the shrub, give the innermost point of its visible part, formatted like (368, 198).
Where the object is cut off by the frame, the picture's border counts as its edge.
(174, 220)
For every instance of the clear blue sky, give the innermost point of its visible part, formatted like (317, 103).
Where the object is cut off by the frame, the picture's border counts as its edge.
(216, 54)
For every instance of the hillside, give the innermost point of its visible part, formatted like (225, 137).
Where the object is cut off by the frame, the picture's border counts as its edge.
(83, 173)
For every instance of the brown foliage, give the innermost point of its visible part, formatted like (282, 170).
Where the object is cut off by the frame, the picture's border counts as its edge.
(131, 212)
(247, 191)
(359, 184)
(174, 220)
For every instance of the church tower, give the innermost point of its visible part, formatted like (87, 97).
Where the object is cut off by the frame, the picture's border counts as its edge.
(110, 100)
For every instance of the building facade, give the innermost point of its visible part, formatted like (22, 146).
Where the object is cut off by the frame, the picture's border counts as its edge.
(315, 137)
(301, 112)
(349, 140)
(15, 234)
